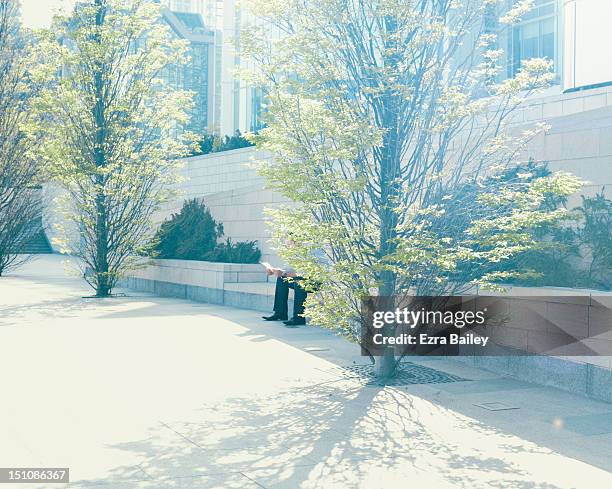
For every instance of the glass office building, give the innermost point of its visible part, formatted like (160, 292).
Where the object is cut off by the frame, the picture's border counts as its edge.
(535, 36)
(197, 75)
(570, 33)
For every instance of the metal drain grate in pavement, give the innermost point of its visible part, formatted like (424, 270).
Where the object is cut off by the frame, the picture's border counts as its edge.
(408, 374)
(495, 406)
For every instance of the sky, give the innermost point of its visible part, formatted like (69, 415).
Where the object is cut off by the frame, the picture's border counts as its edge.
(38, 13)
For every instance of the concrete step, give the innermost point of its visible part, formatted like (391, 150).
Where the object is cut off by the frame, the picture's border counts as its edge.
(37, 245)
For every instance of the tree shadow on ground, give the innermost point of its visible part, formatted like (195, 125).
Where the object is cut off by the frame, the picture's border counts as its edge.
(52, 309)
(77, 307)
(335, 434)
(329, 445)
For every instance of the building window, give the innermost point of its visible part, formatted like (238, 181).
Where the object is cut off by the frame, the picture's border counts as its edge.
(256, 109)
(535, 36)
(181, 5)
(195, 79)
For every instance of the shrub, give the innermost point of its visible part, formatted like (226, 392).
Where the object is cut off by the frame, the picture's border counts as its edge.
(210, 143)
(575, 253)
(193, 234)
(240, 252)
(595, 237)
(206, 145)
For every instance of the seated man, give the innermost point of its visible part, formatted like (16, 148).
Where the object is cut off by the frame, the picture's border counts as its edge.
(286, 280)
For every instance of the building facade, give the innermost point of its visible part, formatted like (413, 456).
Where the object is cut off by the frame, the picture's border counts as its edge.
(234, 106)
(570, 33)
(578, 106)
(197, 75)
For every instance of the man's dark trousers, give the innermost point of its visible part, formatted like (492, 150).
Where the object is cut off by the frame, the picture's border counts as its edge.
(281, 296)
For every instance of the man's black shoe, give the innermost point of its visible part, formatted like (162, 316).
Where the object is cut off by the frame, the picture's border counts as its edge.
(294, 323)
(275, 317)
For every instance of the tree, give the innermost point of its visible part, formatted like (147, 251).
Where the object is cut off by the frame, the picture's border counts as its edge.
(376, 113)
(110, 124)
(553, 251)
(20, 209)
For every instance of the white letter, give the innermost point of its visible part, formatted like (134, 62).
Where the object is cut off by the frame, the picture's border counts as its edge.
(378, 323)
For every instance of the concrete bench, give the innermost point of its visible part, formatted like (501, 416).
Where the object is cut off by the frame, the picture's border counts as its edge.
(244, 286)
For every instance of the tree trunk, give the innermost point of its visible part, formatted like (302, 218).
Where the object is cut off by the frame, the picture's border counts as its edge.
(390, 168)
(385, 364)
(388, 232)
(103, 286)
(103, 283)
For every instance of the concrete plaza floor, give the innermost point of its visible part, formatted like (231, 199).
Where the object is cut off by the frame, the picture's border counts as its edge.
(142, 392)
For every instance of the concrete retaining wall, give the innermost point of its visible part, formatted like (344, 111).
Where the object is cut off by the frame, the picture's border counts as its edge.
(568, 374)
(579, 142)
(581, 313)
(238, 285)
(229, 185)
(247, 287)
(201, 273)
(564, 321)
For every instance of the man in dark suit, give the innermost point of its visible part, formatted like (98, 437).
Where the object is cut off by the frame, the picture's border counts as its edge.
(285, 280)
